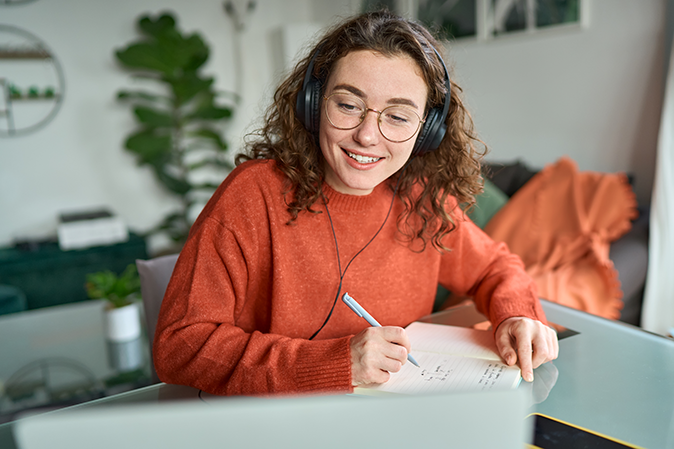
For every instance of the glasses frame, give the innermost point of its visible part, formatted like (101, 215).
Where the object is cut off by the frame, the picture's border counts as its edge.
(379, 113)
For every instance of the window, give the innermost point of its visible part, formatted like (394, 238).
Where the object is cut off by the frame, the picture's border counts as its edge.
(487, 19)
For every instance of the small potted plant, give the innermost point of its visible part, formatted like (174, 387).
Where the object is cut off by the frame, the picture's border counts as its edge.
(122, 311)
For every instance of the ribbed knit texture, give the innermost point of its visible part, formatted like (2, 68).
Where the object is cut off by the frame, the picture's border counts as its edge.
(248, 289)
(561, 223)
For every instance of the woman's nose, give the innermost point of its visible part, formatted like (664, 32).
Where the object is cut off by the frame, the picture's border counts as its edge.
(367, 133)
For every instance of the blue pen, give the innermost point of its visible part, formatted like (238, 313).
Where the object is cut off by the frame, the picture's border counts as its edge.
(353, 305)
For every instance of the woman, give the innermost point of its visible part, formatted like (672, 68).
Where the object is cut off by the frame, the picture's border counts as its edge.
(352, 185)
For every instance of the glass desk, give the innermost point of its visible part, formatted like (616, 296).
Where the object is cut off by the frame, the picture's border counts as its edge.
(58, 356)
(610, 377)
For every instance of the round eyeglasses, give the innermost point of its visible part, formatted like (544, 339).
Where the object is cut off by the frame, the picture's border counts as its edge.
(396, 123)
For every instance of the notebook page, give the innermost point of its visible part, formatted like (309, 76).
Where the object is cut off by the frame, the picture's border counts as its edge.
(461, 341)
(443, 374)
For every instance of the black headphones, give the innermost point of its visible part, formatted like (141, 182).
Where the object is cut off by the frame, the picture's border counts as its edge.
(308, 111)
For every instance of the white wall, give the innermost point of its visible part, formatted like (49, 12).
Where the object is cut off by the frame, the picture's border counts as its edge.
(77, 160)
(594, 95)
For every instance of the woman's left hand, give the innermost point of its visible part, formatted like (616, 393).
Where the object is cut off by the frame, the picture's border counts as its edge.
(527, 341)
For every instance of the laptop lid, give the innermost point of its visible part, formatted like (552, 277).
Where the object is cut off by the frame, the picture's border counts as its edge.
(494, 419)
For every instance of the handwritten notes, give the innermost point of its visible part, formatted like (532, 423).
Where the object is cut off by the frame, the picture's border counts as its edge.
(451, 359)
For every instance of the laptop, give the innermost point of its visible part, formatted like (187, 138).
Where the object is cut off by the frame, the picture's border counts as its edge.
(467, 420)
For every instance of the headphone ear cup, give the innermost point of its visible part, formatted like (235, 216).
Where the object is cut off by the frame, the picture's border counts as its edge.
(431, 133)
(314, 106)
(308, 105)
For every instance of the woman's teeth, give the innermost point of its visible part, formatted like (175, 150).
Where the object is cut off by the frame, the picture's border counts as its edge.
(362, 159)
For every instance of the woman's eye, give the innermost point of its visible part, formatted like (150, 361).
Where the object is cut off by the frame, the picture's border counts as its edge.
(397, 119)
(349, 108)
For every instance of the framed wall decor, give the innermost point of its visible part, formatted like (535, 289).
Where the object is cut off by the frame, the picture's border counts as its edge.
(31, 82)
(487, 19)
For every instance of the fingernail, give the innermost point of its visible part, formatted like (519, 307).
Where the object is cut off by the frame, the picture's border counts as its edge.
(529, 377)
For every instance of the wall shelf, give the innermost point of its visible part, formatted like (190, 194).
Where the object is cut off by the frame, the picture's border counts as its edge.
(24, 54)
(26, 63)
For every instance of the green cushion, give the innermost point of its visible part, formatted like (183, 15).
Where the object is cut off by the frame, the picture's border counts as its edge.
(12, 300)
(487, 204)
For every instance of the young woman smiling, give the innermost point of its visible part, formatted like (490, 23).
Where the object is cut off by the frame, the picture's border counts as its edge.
(352, 184)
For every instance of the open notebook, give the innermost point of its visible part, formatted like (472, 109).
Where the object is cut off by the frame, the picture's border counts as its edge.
(451, 359)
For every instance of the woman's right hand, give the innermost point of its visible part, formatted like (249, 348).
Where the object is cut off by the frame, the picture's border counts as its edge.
(376, 352)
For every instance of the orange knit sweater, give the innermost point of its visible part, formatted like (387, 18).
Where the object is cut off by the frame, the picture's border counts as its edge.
(248, 290)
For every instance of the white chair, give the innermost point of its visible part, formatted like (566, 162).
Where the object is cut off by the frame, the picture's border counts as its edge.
(154, 278)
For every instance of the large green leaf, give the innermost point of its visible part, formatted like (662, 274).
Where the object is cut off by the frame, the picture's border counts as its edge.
(166, 51)
(149, 56)
(210, 134)
(151, 147)
(188, 86)
(164, 24)
(139, 95)
(198, 52)
(173, 183)
(153, 117)
(210, 112)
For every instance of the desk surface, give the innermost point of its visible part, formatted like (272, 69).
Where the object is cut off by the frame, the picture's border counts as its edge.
(59, 356)
(610, 377)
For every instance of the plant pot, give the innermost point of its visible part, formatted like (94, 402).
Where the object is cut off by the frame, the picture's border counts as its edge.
(126, 356)
(122, 323)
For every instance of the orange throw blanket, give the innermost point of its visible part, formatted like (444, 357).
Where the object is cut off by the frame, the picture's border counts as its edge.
(561, 223)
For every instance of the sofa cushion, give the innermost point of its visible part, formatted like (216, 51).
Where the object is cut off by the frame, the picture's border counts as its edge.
(490, 201)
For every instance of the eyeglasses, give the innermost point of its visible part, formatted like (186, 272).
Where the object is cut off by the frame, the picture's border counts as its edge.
(396, 123)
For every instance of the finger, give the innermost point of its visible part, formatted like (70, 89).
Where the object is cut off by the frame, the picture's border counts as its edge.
(397, 335)
(542, 349)
(397, 354)
(524, 356)
(392, 365)
(505, 347)
(555, 344)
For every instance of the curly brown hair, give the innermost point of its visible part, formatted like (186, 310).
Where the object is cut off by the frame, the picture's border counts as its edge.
(427, 180)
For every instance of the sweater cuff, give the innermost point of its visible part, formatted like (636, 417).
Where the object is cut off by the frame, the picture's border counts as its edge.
(532, 310)
(325, 366)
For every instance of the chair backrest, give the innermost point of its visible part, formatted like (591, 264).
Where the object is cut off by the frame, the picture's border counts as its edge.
(154, 278)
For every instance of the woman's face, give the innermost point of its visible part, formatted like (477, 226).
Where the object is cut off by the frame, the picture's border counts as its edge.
(359, 159)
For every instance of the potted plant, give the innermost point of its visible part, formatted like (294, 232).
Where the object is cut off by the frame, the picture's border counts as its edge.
(179, 134)
(122, 311)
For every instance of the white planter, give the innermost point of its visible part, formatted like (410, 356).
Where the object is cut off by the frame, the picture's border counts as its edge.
(122, 323)
(126, 356)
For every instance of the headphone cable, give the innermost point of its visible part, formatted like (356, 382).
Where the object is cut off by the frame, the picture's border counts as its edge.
(334, 235)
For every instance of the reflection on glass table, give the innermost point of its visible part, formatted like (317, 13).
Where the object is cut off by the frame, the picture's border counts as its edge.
(58, 356)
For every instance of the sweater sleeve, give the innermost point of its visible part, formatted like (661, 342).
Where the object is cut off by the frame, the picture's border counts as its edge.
(213, 331)
(486, 270)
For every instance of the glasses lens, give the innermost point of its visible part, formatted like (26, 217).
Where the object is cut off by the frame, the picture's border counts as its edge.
(398, 123)
(344, 111)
